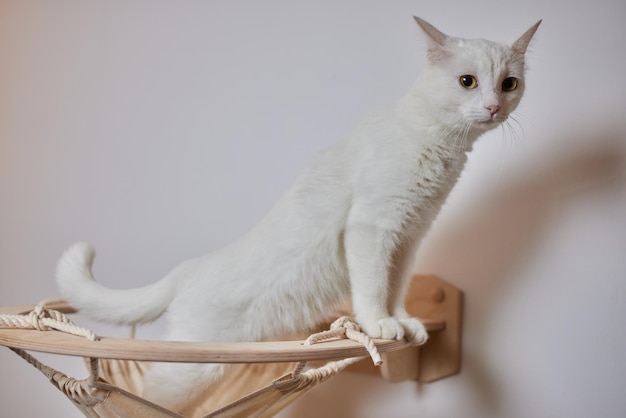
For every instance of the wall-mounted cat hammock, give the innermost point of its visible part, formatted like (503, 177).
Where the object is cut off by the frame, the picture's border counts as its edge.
(117, 364)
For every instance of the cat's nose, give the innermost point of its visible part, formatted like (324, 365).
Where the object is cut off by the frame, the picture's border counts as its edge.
(493, 109)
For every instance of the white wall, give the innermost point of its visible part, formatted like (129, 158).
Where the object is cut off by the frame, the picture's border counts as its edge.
(162, 130)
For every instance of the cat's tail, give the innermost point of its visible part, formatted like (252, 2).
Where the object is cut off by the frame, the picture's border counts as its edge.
(125, 307)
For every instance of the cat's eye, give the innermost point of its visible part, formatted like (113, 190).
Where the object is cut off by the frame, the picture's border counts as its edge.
(509, 84)
(468, 81)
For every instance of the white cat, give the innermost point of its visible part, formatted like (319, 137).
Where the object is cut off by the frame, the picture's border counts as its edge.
(349, 226)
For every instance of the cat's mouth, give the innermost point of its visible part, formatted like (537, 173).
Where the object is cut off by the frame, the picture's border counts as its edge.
(490, 120)
(486, 120)
(486, 124)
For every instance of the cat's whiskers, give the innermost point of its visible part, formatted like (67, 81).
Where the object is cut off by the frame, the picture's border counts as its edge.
(464, 134)
(511, 136)
(510, 129)
(457, 134)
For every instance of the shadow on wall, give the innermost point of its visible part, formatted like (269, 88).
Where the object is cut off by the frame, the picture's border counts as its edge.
(482, 250)
(502, 232)
(502, 229)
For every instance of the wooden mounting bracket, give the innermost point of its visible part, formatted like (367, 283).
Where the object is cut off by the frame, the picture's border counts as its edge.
(433, 299)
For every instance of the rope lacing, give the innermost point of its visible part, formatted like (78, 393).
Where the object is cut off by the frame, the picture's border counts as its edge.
(43, 319)
(81, 391)
(344, 327)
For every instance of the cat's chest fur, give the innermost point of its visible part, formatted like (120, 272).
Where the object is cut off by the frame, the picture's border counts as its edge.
(387, 175)
(403, 171)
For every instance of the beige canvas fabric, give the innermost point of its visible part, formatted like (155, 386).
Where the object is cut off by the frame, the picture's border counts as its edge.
(247, 390)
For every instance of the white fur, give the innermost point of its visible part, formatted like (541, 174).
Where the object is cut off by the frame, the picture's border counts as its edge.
(350, 225)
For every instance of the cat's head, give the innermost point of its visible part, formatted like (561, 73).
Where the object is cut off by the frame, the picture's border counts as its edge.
(474, 83)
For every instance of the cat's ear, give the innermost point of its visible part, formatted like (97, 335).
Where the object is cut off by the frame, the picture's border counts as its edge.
(436, 40)
(520, 46)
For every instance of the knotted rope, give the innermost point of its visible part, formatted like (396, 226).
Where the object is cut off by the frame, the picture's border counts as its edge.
(78, 391)
(44, 319)
(344, 327)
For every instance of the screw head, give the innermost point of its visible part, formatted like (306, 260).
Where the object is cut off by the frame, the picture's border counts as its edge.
(438, 295)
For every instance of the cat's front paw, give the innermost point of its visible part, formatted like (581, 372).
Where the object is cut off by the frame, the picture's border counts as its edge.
(385, 328)
(414, 330)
